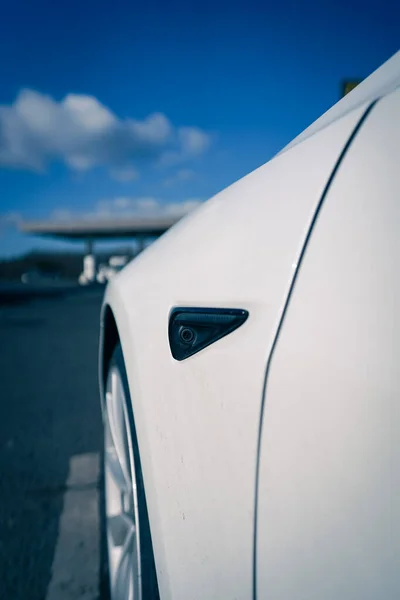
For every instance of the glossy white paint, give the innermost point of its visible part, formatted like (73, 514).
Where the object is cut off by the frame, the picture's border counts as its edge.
(329, 511)
(198, 420)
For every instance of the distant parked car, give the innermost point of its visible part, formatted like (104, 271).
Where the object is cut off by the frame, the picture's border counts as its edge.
(39, 277)
(250, 379)
(104, 272)
(115, 264)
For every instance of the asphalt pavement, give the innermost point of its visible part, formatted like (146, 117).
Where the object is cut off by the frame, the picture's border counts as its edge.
(50, 439)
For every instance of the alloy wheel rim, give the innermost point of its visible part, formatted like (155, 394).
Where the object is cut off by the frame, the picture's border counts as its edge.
(121, 500)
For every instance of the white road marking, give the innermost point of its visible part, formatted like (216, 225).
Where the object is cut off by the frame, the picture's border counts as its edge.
(75, 570)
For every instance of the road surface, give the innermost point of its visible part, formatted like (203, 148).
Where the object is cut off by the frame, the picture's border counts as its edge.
(50, 439)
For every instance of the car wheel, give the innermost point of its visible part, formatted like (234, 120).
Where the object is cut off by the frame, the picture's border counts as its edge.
(128, 568)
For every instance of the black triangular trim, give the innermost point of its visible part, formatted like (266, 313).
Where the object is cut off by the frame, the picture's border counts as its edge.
(193, 329)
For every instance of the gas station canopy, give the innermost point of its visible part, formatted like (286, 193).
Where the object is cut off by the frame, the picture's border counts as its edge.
(151, 226)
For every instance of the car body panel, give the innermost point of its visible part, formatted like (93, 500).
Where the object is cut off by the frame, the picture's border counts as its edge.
(198, 420)
(328, 509)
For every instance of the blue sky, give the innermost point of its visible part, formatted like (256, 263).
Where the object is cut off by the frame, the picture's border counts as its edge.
(126, 106)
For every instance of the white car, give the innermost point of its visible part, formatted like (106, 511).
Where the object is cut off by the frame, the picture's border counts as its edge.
(250, 379)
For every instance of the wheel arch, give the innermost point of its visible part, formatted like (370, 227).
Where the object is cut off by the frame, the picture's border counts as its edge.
(109, 339)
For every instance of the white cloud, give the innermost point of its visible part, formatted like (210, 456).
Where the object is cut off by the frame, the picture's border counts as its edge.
(122, 202)
(124, 174)
(123, 205)
(126, 204)
(147, 203)
(82, 133)
(192, 143)
(181, 176)
(61, 214)
(89, 113)
(182, 207)
(9, 220)
(194, 140)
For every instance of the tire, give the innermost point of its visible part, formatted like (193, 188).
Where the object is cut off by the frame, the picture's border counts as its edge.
(149, 585)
